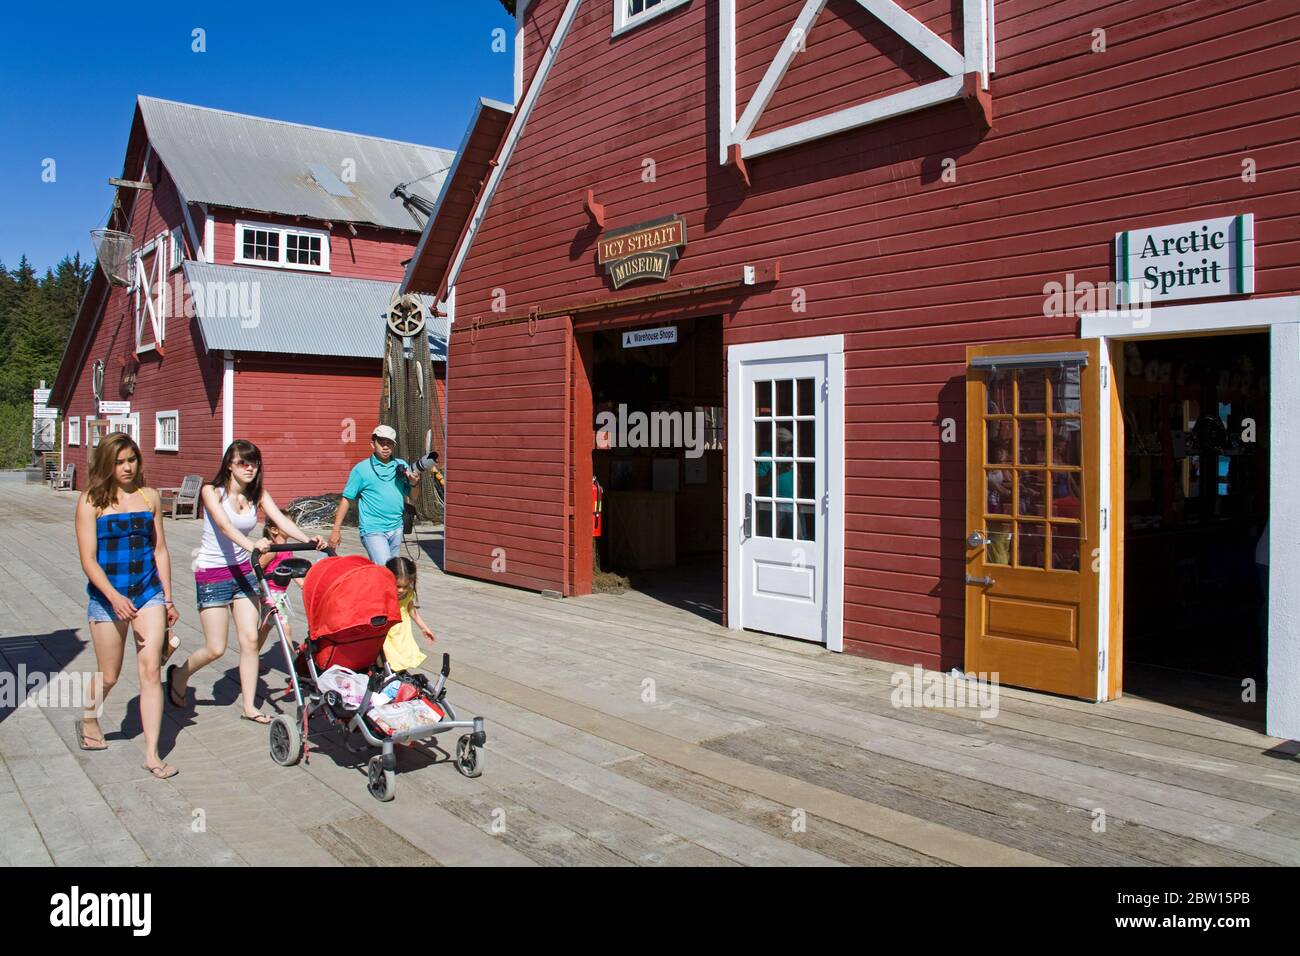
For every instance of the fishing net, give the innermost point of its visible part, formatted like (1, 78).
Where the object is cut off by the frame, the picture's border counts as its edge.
(113, 251)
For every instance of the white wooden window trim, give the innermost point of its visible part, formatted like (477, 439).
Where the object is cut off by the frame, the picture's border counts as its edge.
(74, 430)
(625, 21)
(175, 249)
(283, 232)
(129, 424)
(977, 41)
(159, 442)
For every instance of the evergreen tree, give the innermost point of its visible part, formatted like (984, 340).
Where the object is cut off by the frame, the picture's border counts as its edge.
(36, 316)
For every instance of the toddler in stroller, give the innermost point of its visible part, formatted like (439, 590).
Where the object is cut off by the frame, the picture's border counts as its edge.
(338, 672)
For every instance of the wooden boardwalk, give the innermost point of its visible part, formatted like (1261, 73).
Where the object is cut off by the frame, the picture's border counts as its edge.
(620, 731)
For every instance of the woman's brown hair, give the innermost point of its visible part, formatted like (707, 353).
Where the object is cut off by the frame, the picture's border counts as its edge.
(250, 453)
(100, 490)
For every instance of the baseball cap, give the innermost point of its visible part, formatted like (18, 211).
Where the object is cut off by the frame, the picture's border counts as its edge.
(384, 431)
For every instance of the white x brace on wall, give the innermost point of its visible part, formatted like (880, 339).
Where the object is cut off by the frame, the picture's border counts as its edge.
(977, 31)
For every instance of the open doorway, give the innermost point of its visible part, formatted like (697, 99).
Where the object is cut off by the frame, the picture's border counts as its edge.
(1196, 493)
(657, 401)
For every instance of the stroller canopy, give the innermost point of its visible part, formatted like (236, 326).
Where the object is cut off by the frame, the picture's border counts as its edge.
(350, 599)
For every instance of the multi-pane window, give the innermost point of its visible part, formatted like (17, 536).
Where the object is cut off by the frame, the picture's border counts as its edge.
(74, 431)
(629, 13)
(282, 246)
(176, 248)
(785, 459)
(261, 245)
(1033, 469)
(167, 431)
(302, 249)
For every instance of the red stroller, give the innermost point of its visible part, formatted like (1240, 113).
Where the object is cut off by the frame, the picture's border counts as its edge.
(351, 604)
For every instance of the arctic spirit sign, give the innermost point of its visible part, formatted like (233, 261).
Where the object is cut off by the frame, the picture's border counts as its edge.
(1189, 260)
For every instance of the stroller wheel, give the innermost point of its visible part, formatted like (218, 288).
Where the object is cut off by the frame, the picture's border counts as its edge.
(468, 760)
(286, 741)
(380, 782)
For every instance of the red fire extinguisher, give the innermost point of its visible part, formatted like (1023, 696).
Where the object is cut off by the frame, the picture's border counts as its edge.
(597, 501)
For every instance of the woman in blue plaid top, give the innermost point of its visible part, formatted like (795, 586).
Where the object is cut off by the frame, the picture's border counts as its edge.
(128, 572)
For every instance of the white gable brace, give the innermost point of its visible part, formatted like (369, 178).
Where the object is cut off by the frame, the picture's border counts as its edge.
(736, 136)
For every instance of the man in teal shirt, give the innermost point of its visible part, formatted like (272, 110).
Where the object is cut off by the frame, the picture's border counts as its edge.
(379, 485)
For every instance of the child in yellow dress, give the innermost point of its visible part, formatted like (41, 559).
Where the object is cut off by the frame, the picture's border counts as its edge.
(400, 647)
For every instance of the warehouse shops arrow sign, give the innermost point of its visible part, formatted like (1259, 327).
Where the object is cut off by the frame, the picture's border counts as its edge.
(645, 251)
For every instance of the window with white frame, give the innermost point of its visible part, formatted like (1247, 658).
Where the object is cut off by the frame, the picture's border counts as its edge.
(74, 431)
(287, 247)
(167, 431)
(176, 248)
(632, 13)
(126, 424)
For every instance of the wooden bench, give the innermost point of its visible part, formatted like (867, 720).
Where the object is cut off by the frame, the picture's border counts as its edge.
(174, 500)
(65, 480)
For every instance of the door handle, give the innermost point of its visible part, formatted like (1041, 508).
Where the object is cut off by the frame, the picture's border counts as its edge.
(985, 581)
(747, 524)
(976, 540)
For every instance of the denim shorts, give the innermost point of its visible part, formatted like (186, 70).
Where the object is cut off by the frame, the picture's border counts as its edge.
(99, 611)
(224, 593)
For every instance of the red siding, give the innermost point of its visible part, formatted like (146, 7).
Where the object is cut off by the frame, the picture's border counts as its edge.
(908, 266)
(509, 456)
(312, 421)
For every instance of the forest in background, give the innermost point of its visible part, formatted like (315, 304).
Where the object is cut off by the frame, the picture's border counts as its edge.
(36, 316)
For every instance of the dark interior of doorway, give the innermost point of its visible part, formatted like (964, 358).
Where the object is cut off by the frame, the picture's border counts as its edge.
(662, 510)
(1196, 505)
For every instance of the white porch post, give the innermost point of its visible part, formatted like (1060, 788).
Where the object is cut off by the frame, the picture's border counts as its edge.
(1283, 718)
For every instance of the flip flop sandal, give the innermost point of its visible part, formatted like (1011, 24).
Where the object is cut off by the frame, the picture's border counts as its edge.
(262, 719)
(82, 737)
(171, 689)
(165, 772)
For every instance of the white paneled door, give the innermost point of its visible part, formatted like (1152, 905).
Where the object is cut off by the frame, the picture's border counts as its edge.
(785, 490)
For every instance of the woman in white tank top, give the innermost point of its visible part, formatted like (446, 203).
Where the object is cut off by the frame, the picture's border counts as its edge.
(223, 574)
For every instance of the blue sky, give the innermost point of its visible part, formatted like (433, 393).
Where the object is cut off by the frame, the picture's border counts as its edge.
(69, 75)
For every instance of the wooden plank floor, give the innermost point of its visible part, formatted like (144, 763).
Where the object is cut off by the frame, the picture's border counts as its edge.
(621, 731)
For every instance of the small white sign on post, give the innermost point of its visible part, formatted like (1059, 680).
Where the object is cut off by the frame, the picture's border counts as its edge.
(665, 336)
(40, 396)
(1188, 260)
(115, 408)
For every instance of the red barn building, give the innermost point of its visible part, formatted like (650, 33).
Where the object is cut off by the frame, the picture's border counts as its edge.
(265, 256)
(1001, 302)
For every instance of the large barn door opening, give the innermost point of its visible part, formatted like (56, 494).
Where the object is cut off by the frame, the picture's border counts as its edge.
(509, 449)
(1034, 518)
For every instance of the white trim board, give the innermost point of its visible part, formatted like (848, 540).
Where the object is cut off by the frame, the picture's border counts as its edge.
(1280, 317)
(831, 347)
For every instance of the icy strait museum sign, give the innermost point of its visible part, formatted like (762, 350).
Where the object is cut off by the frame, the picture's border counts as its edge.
(1188, 260)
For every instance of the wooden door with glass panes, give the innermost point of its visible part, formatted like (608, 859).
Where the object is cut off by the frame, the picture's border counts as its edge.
(1033, 514)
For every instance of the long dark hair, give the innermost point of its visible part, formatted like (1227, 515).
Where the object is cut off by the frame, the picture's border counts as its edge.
(100, 490)
(248, 452)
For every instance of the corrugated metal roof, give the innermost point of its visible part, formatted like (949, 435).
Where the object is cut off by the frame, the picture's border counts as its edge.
(266, 165)
(248, 309)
